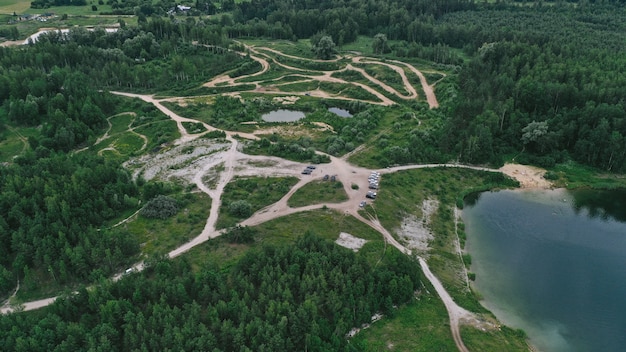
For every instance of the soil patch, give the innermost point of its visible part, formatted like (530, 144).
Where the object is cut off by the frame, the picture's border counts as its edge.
(527, 176)
(349, 241)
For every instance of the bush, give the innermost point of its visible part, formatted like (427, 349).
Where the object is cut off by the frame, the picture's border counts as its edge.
(160, 207)
(240, 234)
(240, 209)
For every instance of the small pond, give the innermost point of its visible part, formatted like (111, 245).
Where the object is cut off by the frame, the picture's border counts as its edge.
(340, 112)
(283, 116)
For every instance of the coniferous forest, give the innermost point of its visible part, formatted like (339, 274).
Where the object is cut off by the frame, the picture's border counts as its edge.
(305, 296)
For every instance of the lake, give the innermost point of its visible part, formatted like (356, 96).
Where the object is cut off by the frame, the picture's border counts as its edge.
(340, 112)
(282, 116)
(552, 263)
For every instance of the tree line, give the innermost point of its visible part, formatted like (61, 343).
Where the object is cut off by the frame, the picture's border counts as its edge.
(300, 297)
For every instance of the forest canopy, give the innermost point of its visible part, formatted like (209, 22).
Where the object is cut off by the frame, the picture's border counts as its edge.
(304, 296)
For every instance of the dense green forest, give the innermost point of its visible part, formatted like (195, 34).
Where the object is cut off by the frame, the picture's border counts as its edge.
(300, 297)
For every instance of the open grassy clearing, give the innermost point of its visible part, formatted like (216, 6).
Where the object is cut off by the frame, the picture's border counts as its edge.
(318, 192)
(250, 194)
(120, 123)
(290, 78)
(503, 340)
(301, 48)
(13, 141)
(421, 325)
(161, 236)
(386, 75)
(159, 133)
(10, 146)
(574, 175)
(326, 223)
(302, 86)
(225, 113)
(273, 72)
(309, 65)
(73, 10)
(402, 194)
(129, 144)
(216, 252)
(194, 127)
(10, 6)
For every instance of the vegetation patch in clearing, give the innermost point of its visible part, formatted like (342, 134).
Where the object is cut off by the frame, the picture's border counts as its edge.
(163, 235)
(421, 325)
(318, 192)
(244, 196)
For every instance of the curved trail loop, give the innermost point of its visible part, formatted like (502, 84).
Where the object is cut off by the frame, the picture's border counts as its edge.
(238, 163)
(262, 56)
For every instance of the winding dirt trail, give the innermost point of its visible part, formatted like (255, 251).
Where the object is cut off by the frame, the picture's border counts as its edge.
(238, 163)
(264, 59)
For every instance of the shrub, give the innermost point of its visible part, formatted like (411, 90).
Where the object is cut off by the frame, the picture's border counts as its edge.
(240, 234)
(160, 207)
(240, 209)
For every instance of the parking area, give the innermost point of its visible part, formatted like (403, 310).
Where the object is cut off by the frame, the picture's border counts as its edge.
(371, 194)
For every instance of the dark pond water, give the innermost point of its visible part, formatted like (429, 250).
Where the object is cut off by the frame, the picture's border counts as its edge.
(552, 263)
(283, 116)
(340, 112)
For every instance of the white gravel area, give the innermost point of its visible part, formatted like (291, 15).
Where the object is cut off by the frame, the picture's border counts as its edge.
(349, 241)
(415, 231)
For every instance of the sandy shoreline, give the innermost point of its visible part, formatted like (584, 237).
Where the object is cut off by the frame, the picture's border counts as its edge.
(529, 177)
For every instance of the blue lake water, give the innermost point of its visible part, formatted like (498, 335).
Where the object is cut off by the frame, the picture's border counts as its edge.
(552, 263)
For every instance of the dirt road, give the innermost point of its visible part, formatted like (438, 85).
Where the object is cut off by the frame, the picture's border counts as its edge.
(237, 163)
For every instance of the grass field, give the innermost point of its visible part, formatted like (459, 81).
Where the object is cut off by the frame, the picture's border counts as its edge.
(10, 6)
(161, 236)
(120, 123)
(318, 192)
(257, 192)
(421, 325)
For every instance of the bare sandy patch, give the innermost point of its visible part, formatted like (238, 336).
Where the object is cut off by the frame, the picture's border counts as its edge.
(324, 126)
(527, 176)
(415, 231)
(349, 241)
(179, 162)
(286, 100)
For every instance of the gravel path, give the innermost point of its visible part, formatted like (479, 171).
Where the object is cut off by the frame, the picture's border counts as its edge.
(238, 163)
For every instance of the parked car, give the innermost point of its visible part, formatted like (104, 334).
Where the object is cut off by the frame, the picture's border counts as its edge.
(363, 204)
(373, 186)
(307, 171)
(371, 195)
(312, 167)
(333, 178)
(326, 177)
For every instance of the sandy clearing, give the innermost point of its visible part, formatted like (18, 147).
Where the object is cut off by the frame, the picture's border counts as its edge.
(351, 242)
(530, 177)
(415, 231)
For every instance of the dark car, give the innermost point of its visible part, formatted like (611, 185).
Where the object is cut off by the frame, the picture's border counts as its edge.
(326, 177)
(312, 167)
(307, 171)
